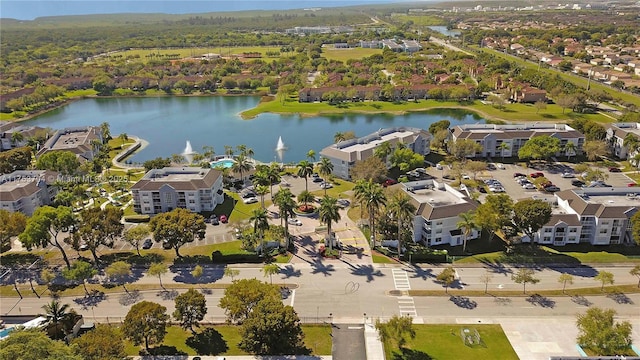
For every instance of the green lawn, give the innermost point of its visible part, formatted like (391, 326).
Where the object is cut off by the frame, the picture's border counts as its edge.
(443, 342)
(510, 112)
(346, 54)
(224, 339)
(143, 54)
(236, 209)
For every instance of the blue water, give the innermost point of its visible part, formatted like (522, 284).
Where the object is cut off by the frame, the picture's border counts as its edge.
(443, 30)
(222, 163)
(5, 332)
(31, 9)
(168, 122)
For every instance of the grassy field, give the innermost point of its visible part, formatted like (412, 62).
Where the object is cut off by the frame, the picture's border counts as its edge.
(224, 340)
(511, 112)
(346, 54)
(582, 254)
(441, 342)
(144, 55)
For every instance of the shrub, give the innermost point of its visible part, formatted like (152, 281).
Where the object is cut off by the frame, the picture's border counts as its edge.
(137, 218)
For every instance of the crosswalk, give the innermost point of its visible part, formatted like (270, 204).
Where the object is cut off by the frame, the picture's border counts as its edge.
(406, 304)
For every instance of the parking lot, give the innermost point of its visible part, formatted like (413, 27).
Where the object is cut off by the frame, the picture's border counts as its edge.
(553, 172)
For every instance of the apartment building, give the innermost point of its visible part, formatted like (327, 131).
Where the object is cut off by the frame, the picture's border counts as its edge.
(162, 190)
(26, 190)
(14, 135)
(492, 137)
(344, 154)
(78, 140)
(598, 216)
(438, 208)
(616, 133)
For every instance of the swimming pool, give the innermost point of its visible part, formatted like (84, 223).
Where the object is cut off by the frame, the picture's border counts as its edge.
(225, 163)
(5, 332)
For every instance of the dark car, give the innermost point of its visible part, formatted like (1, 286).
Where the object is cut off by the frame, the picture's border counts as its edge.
(515, 175)
(147, 244)
(215, 221)
(578, 183)
(537, 175)
(482, 189)
(317, 179)
(551, 188)
(614, 169)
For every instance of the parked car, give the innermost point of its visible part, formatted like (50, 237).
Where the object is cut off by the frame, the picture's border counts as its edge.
(343, 202)
(568, 175)
(294, 221)
(537, 175)
(439, 166)
(500, 166)
(632, 184)
(224, 219)
(315, 175)
(578, 183)
(147, 244)
(497, 189)
(515, 175)
(389, 182)
(250, 200)
(614, 169)
(83, 247)
(318, 180)
(215, 221)
(528, 186)
(482, 189)
(491, 166)
(326, 185)
(551, 188)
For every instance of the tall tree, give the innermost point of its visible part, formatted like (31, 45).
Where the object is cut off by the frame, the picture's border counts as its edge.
(270, 270)
(570, 149)
(565, 279)
(504, 146)
(403, 210)
(177, 227)
(146, 323)
(595, 149)
(398, 329)
(272, 328)
(486, 279)
(285, 203)
(135, 235)
(325, 168)
(44, 226)
(531, 215)
(311, 155)
(305, 169)
(463, 148)
(119, 272)
(467, 224)
(372, 196)
(191, 307)
(105, 342)
(636, 272)
(447, 276)
(260, 224)
(64, 162)
(241, 165)
(34, 344)
(494, 214)
(15, 159)
(230, 272)
(524, 276)
(11, 224)
(241, 297)
(371, 168)
(58, 317)
(329, 213)
(98, 227)
(80, 271)
(599, 332)
(158, 269)
(605, 278)
(539, 148)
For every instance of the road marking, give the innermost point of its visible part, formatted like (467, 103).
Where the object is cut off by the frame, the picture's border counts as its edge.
(293, 296)
(354, 327)
(406, 305)
(400, 279)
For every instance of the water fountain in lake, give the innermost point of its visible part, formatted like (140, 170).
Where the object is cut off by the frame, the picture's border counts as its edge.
(280, 148)
(188, 152)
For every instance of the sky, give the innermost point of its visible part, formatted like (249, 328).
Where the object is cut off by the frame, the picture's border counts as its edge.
(31, 9)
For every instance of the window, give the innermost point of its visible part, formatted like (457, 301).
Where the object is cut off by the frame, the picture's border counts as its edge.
(573, 230)
(603, 231)
(547, 239)
(548, 230)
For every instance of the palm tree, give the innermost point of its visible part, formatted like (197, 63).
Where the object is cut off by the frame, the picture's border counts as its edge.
(403, 210)
(262, 190)
(358, 191)
(208, 152)
(244, 150)
(106, 132)
(338, 137)
(273, 176)
(372, 195)
(305, 197)
(383, 151)
(631, 143)
(228, 151)
(467, 224)
(329, 212)
(570, 149)
(57, 316)
(305, 169)
(260, 224)
(503, 146)
(284, 201)
(311, 155)
(123, 137)
(16, 137)
(241, 166)
(325, 168)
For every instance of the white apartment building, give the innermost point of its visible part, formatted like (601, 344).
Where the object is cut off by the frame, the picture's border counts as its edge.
(162, 190)
(344, 154)
(616, 134)
(9, 138)
(598, 216)
(438, 207)
(78, 140)
(491, 137)
(26, 190)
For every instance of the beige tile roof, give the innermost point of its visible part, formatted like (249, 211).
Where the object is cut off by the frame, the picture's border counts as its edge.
(205, 181)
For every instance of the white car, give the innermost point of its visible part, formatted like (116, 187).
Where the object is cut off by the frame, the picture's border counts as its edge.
(250, 200)
(568, 175)
(528, 186)
(500, 166)
(496, 189)
(294, 221)
(326, 186)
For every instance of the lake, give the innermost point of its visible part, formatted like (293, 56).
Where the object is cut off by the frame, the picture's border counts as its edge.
(444, 31)
(168, 122)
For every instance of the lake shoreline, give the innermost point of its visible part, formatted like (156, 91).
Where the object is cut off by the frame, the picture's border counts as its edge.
(249, 114)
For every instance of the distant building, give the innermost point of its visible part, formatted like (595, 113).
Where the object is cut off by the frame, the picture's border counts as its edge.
(438, 208)
(491, 137)
(344, 154)
(10, 141)
(597, 216)
(162, 190)
(616, 133)
(26, 190)
(528, 95)
(78, 140)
